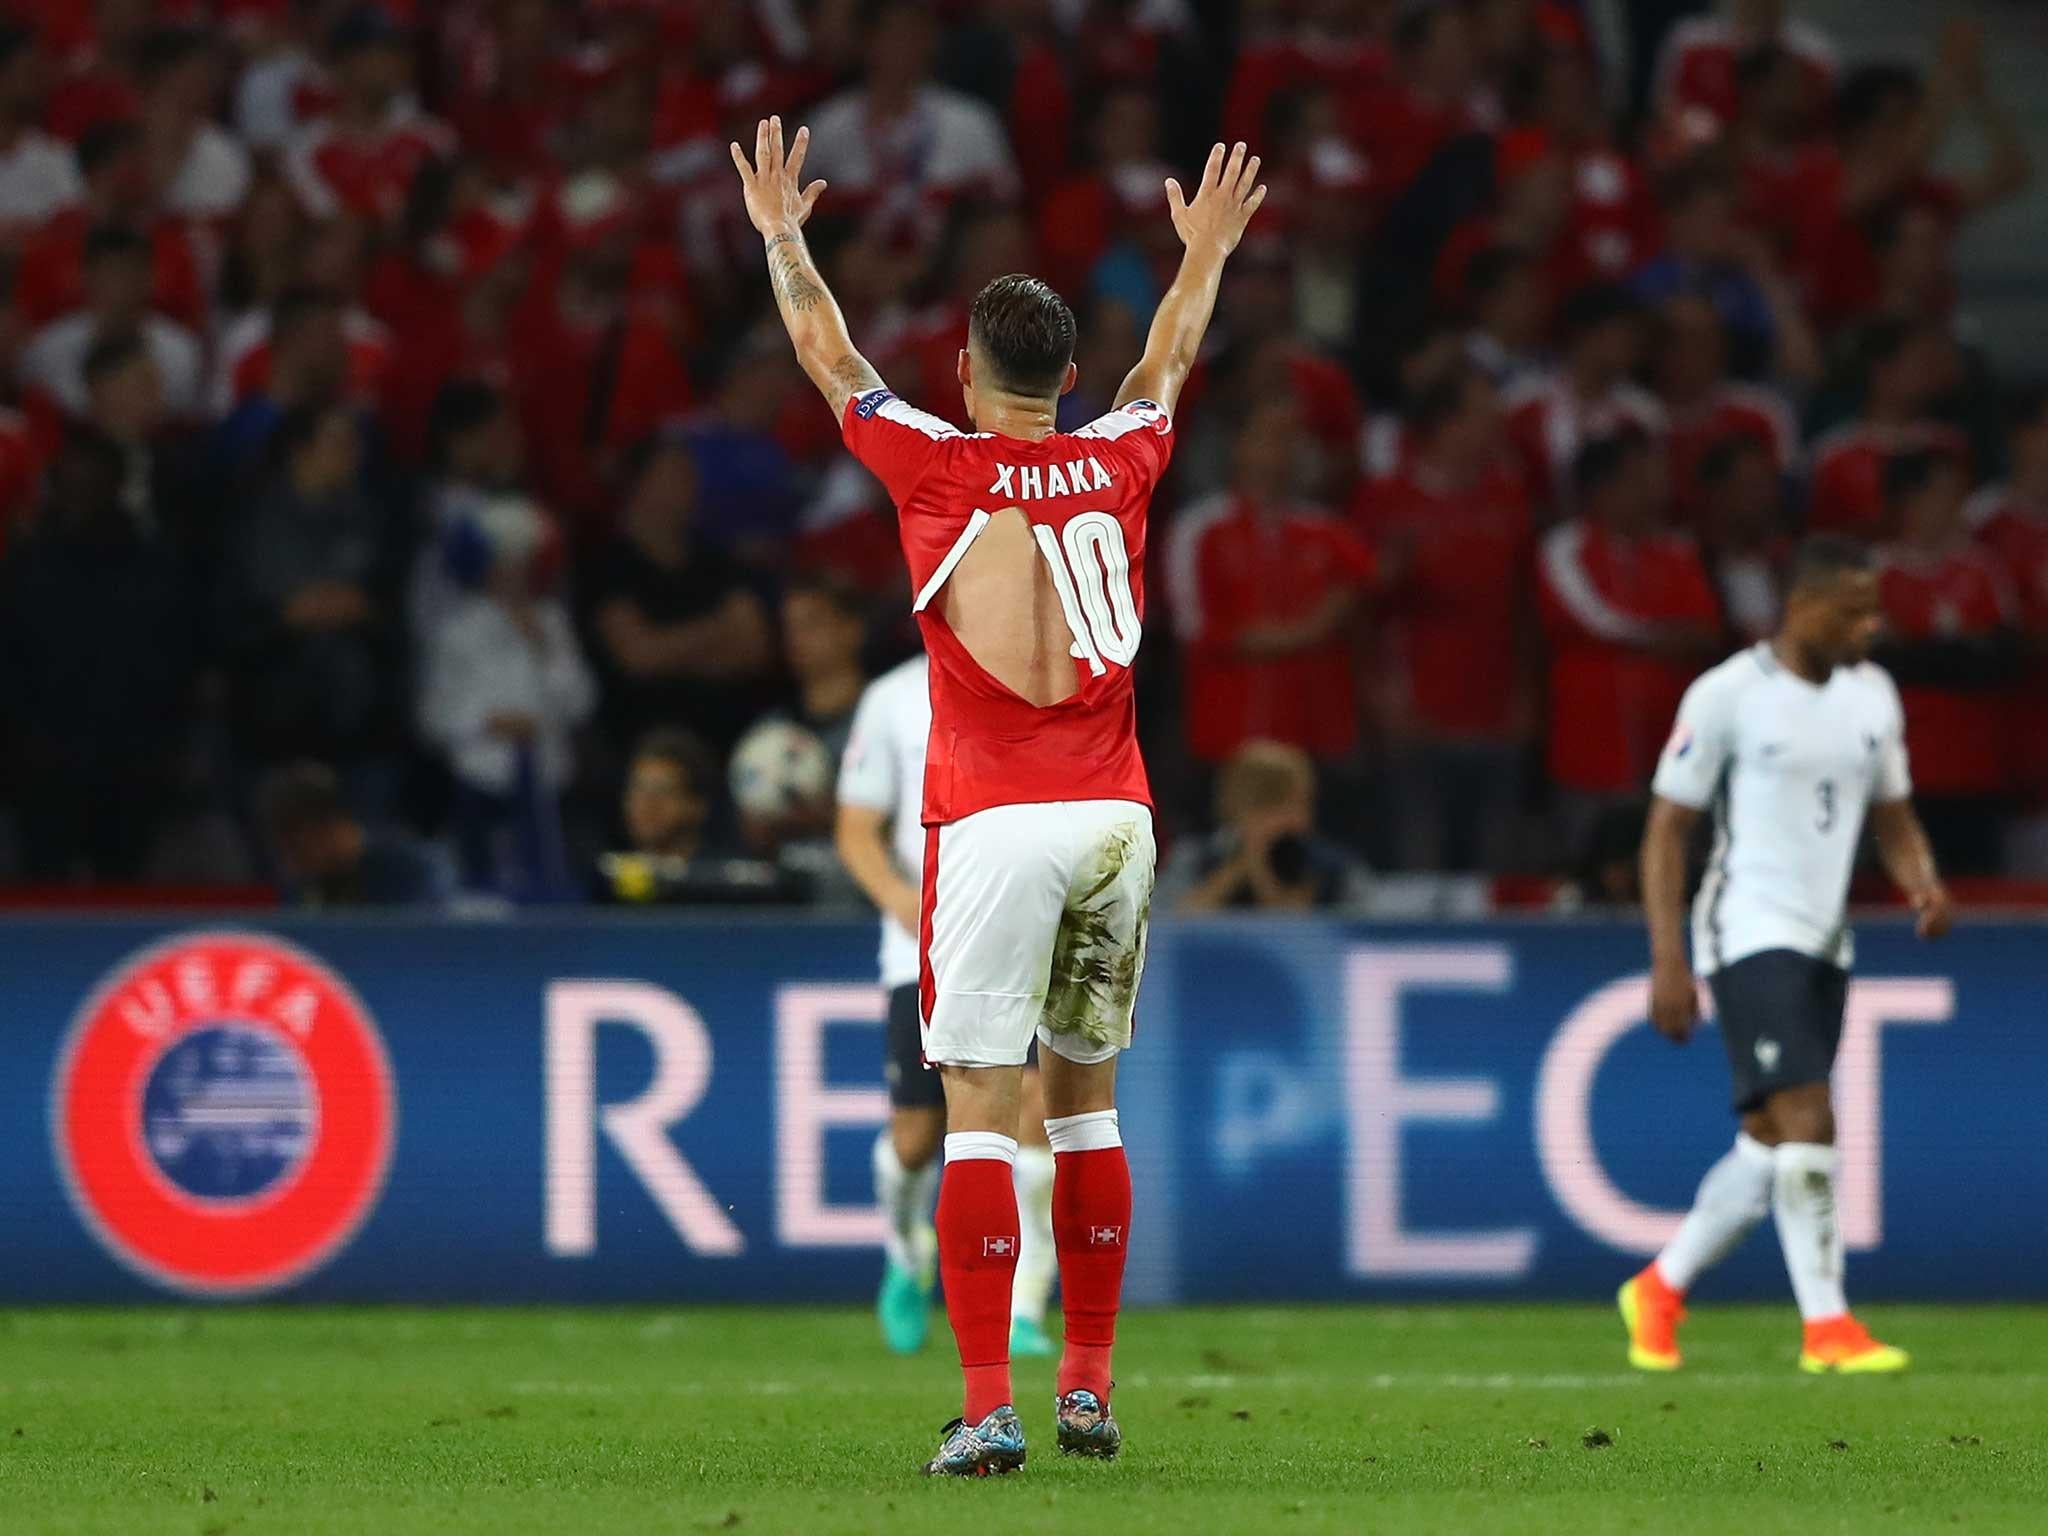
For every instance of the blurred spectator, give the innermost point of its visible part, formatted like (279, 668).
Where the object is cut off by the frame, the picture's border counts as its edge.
(201, 171)
(503, 691)
(277, 75)
(125, 411)
(1510, 314)
(1265, 854)
(38, 177)
(1080, 216)
(679, 636)
(1265, 596)
(1610, 222)
(1950, 631)
(1433, 98)
(1631, 618)
(331, 263)
(119, 278)
(1607, 868)
(307, 367)
(1704, 406)
(1744, 531)
(1892, 125)
(748, 490)
(1011, 60)
(1591, 395)
(362, 155)
(2011, 519)
(790, 817)
(670, 855)
(328, 857)
(1903, 366)
(96, 621)
(1457, 696)
(1708, 253)
(49, 282)
(313, 627)
(897, 148)
(1338, 46)
(1697, 83)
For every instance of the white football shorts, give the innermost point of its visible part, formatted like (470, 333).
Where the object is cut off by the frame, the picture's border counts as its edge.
(1034, 919)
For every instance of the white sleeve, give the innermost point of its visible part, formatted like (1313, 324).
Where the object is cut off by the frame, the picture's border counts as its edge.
(1689, 772)
(868, 770)
(1894, 780)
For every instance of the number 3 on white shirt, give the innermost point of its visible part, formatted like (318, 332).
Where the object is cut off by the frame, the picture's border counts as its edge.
(1091, 571)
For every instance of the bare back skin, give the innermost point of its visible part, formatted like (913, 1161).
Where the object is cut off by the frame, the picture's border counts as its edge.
(1001, 603)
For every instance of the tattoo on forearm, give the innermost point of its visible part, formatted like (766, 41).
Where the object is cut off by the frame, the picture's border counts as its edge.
(854, 374)
(800, 290)
(781, 239)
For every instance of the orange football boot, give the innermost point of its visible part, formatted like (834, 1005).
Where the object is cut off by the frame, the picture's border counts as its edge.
(1651, 1311)
(1844, 1345)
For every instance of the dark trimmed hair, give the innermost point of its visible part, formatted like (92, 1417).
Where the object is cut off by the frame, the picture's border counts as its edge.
(1601, 462)
(683, 752)
(1906, 475)
(112, 353)
(1440, 396)
(1725, 453)
(116, 240)
(834, 586)
(1489, 270)
(1597, 305)
(1821, 558)
(105, 142)
(1026, 332)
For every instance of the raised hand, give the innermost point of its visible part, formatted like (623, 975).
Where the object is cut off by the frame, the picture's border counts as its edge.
(777, 200)
(1230, 193)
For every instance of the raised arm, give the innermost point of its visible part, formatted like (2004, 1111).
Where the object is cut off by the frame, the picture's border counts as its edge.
(1209, 226)
(778, 202)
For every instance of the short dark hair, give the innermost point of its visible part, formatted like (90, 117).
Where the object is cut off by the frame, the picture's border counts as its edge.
(1869, 90)
(105, 142)
(682, 751)
(168, 47)
(115, 240)
(461, 407)
(1595, 305)
(834, 586)
(1906, 475)
(1755, 66)
(299, 303)
(300, 797)
(297, 430)
(1725, 453)
(1489, 270)
(1821, 558)
(112, 353)
(1440, 396)
(1026, 332)
(1601, 462)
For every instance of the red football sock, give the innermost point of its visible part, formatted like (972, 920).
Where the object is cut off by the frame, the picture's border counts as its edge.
(1091, 1221)
(977, 1224)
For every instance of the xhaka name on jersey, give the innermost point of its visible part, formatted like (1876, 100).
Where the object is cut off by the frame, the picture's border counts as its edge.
(1034, 482)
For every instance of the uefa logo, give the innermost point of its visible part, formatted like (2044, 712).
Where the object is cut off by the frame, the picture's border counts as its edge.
(223, 1114)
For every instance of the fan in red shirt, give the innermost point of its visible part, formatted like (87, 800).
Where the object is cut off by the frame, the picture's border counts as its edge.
(1611, 223)
(1026, 549)
(1949, 616)
(1705, 406)
(1631, 618)
(1264, 592)
(1744, 531)
(361, 157)
(2011, 522)
(1593, 394)
(50, 280)
(1083, 215)
(1455, 523)
(1697, 69)
(1434, 98)
(1904, 365)
(1334, 46)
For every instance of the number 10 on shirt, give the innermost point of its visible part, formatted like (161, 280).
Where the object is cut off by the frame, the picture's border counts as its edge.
(1091, 571)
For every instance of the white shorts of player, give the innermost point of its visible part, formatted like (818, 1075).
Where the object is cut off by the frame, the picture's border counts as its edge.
(1034, 921)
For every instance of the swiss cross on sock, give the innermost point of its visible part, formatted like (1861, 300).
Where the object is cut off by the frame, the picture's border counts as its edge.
(998, 1247)
(1105, 1237)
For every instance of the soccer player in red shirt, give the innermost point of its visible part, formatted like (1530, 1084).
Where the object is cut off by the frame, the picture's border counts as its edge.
(1039, 853)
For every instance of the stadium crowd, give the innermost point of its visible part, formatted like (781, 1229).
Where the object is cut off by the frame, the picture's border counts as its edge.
(406, 487)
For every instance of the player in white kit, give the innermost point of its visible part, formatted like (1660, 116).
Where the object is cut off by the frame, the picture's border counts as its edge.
(881, 841)
(1791, 743)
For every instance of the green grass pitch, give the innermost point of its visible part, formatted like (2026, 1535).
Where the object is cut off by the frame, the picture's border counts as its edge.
(1472, 1420)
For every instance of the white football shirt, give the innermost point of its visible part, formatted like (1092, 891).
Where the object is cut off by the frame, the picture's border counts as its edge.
(883, 770)
(1789, 768)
